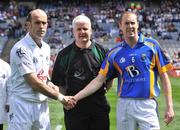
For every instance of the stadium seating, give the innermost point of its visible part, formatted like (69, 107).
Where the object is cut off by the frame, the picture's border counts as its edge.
(156, 21)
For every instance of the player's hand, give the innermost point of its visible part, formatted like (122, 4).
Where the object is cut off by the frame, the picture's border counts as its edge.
(67, 101)
(169, 115)
(70, 102)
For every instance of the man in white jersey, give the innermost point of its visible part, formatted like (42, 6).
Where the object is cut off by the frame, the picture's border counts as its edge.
(5, 72)
(30, 59)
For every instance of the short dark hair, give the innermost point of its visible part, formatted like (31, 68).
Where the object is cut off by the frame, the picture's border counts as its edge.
(28, 18)
(126, 13)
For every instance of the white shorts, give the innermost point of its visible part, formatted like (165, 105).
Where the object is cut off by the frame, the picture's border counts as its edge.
(137, 113)
(25, 115)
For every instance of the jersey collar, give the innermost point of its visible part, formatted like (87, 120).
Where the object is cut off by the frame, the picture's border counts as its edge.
(83, 49)
(140, 41)
(31, 42)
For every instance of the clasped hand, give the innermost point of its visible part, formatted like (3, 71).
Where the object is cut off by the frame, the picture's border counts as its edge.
(69, 102)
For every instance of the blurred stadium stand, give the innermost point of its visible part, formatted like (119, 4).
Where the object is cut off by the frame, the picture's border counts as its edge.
(158, 19)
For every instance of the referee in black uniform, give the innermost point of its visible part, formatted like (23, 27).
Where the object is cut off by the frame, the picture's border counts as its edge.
(75, 66)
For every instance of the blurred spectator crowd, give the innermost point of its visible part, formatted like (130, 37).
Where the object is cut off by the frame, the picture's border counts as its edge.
(160, 20)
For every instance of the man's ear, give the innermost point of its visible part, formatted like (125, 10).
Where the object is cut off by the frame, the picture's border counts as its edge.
(91, 30)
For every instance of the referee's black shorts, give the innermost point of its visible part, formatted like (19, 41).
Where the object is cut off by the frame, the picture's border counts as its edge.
(93, 122)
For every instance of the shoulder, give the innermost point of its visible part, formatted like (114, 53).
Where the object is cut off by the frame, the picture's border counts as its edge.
(3, 63)
(100, 48)
(65, 53)
(20, 44)
(64, 56)
(116, 49)
(20, 49)
(46, 45)
(5, 66)
(151, 42)
(66, 50)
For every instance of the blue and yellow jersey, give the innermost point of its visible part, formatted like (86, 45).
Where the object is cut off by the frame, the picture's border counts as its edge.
(137, 68)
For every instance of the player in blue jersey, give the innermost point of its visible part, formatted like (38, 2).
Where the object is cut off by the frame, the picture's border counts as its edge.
(137, 62)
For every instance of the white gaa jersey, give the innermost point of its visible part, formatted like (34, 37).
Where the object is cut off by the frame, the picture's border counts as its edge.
(26, 57)
(5, 72)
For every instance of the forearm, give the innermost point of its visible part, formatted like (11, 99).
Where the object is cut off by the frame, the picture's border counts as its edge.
(167, 89)
(91, 88)
(46, 90)
(40, 86)
(169, 112)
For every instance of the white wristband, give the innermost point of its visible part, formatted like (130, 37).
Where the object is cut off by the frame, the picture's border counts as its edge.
(60, 97)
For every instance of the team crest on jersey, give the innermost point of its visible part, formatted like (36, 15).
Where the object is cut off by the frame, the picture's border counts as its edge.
(35, 60)
(143, 57)
(122, 60)
(20, 53)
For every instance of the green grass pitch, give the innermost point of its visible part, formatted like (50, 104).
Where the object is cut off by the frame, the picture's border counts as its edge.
(56, 112)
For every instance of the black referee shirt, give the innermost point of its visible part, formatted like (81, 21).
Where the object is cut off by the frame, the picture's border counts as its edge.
(74, 69)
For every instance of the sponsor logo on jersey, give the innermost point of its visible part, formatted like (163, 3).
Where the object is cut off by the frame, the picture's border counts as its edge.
(135, 80)
(41, 76)
(133, 71)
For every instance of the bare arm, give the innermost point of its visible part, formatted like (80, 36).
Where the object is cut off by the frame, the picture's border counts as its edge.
(39, 86)
(169, 113)
(91, 88)
(48, 90)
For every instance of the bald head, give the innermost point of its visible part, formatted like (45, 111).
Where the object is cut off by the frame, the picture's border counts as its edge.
(36, 13)
(37, 24)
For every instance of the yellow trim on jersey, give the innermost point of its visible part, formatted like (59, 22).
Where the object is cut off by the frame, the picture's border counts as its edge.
(105, 70)
(152, 91)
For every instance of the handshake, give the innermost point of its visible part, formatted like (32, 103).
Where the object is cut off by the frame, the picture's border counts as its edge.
(68, 102)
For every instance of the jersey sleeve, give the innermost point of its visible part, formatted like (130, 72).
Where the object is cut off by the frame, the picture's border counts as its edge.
(58, 74)
(107, 68)
(162, 62)
(23, 60)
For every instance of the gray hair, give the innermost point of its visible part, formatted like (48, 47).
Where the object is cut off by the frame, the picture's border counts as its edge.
(81, 18)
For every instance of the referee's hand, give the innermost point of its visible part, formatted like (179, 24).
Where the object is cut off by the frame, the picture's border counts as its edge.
(70, 102)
